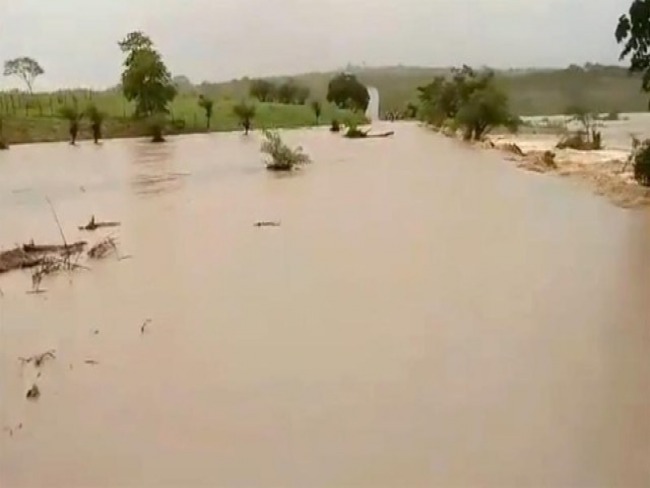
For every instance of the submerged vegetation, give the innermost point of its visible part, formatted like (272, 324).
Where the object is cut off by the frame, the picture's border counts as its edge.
(642, 164)
(283, 158)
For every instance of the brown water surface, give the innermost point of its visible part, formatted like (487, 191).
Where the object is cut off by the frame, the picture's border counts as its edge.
(426, 315)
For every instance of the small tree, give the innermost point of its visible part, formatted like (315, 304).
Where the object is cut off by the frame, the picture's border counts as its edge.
(25, 68)
(283, 158)
(73, 116)
(245, 112)
(206, 104)
(485, 109)
(317, 108)
(346, 91)
(96, 118)
(145, 79)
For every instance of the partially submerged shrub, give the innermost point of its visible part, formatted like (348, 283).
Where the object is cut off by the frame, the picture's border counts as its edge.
(581, 141)
(642, 163)
(283, 158)
(355, 133)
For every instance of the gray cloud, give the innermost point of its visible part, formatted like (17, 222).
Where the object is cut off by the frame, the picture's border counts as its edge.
(75, 40)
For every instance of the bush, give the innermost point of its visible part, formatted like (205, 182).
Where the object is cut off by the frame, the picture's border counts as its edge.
(642, 164)
(581, 141)
(283, 158)
(335, 127)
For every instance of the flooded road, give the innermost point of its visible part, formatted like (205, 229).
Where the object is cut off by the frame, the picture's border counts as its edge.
(426, 315)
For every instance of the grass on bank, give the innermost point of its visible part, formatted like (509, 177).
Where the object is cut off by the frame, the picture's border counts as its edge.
(186, 117)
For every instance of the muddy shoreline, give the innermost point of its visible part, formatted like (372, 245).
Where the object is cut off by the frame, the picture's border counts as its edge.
(607, 172)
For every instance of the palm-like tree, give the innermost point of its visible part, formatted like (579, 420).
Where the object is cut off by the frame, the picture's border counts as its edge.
(207, 105)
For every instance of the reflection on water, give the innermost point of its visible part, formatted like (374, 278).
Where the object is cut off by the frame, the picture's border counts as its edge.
(426, 315)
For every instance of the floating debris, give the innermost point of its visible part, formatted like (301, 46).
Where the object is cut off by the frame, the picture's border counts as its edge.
(38, 359)
(33, 393)
(267, 223)
(103, 248)
(93, 225)
(144, 325)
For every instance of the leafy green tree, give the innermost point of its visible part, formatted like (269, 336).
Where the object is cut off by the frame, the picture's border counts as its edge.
(346, 91)
(207, 105)
(468, 99)
(245, 112)
(263, 90)
(317, 108)
(485, 109)
(96, 118)
(633, 30)
(145, 79)
(25, 68)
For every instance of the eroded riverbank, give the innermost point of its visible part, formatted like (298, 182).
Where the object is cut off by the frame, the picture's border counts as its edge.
(423, 315)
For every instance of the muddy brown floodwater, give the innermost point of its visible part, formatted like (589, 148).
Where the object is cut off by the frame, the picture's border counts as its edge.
(425, 315)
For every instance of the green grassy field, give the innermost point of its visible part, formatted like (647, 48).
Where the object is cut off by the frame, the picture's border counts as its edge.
(532, 92)
(35, 118)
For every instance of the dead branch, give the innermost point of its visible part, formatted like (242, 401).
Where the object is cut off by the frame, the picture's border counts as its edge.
(56, 219)
(38, 359)
(92, 362)
(103, 248)
(267, 223)
(144, 325)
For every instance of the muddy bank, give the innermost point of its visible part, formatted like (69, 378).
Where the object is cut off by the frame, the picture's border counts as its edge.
(607, 172)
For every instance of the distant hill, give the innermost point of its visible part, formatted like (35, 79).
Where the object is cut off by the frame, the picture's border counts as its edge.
(532, 91)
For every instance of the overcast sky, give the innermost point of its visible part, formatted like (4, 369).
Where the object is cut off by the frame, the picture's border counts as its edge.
(75, 40)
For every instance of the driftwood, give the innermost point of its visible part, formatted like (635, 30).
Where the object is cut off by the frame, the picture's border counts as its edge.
(38, 359)
(30, 255)
(354, 133)
(267, 223)
(94, 225)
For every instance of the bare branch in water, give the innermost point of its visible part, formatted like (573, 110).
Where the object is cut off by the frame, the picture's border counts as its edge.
(38, 359)
(144, 325)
